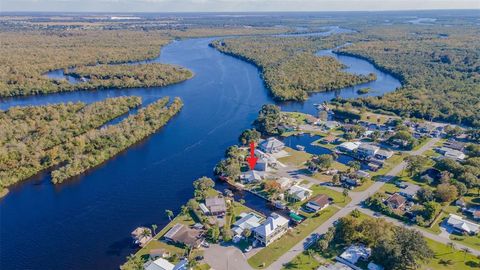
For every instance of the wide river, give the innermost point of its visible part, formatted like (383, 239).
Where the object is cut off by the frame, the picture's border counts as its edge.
(86, 223)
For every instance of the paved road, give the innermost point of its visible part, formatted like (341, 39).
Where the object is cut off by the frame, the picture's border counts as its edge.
(357, 198)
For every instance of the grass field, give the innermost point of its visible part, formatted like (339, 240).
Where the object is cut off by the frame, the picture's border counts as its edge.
(269, 254)
(303, 261)
(443, 254)
(296, 158)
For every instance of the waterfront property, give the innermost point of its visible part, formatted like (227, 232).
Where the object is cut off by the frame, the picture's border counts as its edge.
(271, 145)
(141, 236)
(216, 205)
(247, 221)
(183, 235)
(273, 228)
(252, 176)
(299, 193)
(162, 264)
(318, 203)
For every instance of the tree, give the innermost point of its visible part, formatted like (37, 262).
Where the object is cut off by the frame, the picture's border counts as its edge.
(146, 233)
(446, 192)
(133, 263)
(204, 183)
(228, 167)
(268, 119)
(345, 194)
(249, 135)
(415, 164)
(169, 214)
(154, 228)
(336, 179)
(271, 186)
(354, 165)
(406, 250)
(320, 162)
(214, 233)
(425, 195)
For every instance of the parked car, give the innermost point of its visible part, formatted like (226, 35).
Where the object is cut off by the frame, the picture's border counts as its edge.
(205, 244)
(248, 249)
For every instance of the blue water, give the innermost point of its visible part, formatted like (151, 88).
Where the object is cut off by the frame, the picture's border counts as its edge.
(85, 223)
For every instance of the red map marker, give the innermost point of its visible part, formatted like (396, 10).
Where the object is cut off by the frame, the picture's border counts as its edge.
(252, 159)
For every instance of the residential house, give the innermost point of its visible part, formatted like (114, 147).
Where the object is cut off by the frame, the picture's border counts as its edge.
(451, 153)
(273, 228)
(262, 164)
(409, 190)
(335, 266)
(350, 179)
(141, 236)
(367, 150)
(396, 201)
(331, 124)
(182, 234)
(328, 139)
(285, 183)
(318, 203)
(247, 221)
(216, 205)
(252, 176)
(348, 146)
(459, 146)
(354, 253)
(299, 193)
(162, 264)
(459, 225)
(383, 154)
(158, 253)
(271, 145)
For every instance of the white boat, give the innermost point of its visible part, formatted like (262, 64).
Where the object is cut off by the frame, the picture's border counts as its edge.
(300, 147)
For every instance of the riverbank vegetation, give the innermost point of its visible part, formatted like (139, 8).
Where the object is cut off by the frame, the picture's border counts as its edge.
(99, 145)
(290, 68)
(129, 76)
(30, 136)
(66, 135)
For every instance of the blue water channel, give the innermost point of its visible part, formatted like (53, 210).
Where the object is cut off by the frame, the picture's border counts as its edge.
(86, 222)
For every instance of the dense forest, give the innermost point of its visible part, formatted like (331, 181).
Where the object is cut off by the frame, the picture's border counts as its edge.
(290, 67)
(26, 55)
(30, 136)
(439, 67)
(98, 145)
(124, 76)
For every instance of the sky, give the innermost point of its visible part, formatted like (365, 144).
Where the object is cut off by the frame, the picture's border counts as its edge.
(231, 5)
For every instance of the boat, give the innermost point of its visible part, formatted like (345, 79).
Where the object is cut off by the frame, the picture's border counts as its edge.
(300, 147)
(279, 205)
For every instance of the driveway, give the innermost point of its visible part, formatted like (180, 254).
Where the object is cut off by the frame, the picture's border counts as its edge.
(225, 258)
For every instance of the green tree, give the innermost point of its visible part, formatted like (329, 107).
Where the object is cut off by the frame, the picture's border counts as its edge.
(249, 135)
(169, 214)
(204, 183)
(446, 192)
(154, 228)
(268, 119)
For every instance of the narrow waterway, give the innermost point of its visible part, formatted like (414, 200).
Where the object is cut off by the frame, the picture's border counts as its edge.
(85, 223)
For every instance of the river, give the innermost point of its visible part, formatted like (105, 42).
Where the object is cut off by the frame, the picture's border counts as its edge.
(86, 222)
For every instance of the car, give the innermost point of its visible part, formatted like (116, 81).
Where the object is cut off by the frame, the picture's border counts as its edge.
(205, 244)
(199, 258)
(376, 214)
(248, 249)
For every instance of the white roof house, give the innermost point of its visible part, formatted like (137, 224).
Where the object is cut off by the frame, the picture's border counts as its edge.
(458, 223)
(271, 145)
(355, 252)
(247, 221)
(454, 154)
(335, 266)
(348, 146)
(252, 176)
(273, 228)
(384, 154)
(159, 264)
(299, 193)
(409, 190)
(368, 149)
(284, 182)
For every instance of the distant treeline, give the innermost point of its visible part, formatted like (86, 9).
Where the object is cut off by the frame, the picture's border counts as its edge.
(439, 67)
(25, 57)
(289, 65)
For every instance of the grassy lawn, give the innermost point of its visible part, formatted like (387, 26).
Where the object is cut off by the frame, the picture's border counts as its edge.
(391, 162)
(421, 143)
(469, 241)
(365, 185)
(335, 195)
(303, 261)
(389, 188)
(456, 257)
(271, 253)
(296, 158)
(202, 266)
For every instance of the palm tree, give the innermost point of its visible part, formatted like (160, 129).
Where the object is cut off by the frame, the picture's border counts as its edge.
(345, 194)
(465, 251)
(154, 228)
(146, 233)
(169, 214)
(451, 245)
